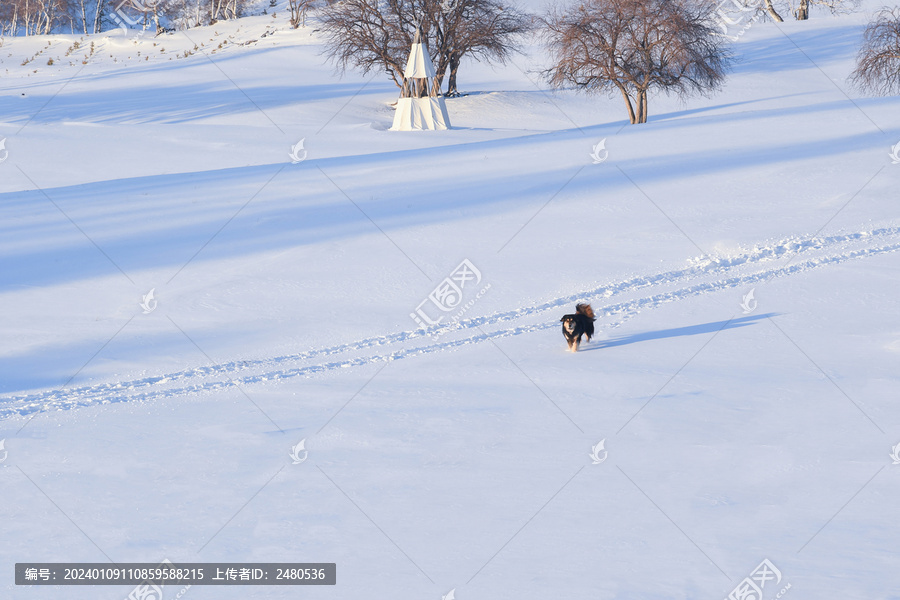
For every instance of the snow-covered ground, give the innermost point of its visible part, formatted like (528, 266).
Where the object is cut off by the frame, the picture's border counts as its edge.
(735, 428)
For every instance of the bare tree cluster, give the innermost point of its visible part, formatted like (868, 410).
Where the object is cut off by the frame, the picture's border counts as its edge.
(799, 9)
(32, 17)
(299, 9)
(376, 34)
(634, 47)
(878, 61)
(226, 9)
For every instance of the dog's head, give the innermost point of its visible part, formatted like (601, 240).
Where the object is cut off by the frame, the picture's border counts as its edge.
(568, 323)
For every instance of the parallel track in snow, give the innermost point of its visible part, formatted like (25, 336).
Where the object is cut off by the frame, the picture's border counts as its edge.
(703, 276)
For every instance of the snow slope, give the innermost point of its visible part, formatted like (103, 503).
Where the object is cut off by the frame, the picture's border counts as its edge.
(735, 428)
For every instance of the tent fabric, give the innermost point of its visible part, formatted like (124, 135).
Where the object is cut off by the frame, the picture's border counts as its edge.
(418, 113)
(419, 64)
(415, 114)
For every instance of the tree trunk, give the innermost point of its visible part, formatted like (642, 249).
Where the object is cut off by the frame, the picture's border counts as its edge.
(81, 4)
(98, 13)
(451, 79)
(294, 6)
(628, 103)
(642, 107)
(803, 10)
(770, 8)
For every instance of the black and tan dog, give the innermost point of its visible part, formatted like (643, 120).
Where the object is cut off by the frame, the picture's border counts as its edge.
(578, 324)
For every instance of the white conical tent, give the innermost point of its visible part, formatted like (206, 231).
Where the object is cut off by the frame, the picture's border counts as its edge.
(420, 105)
(419, 65)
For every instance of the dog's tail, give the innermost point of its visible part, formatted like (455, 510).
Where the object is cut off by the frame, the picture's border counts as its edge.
(586, 310)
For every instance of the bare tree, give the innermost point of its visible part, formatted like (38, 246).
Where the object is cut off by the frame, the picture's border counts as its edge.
(376, 34)
(480, 29)
(9, 18)
(86, 14)
(770, 9)
(30, 17)
(299, 10)
(878, 61)
(36, 16)
(635, 46)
